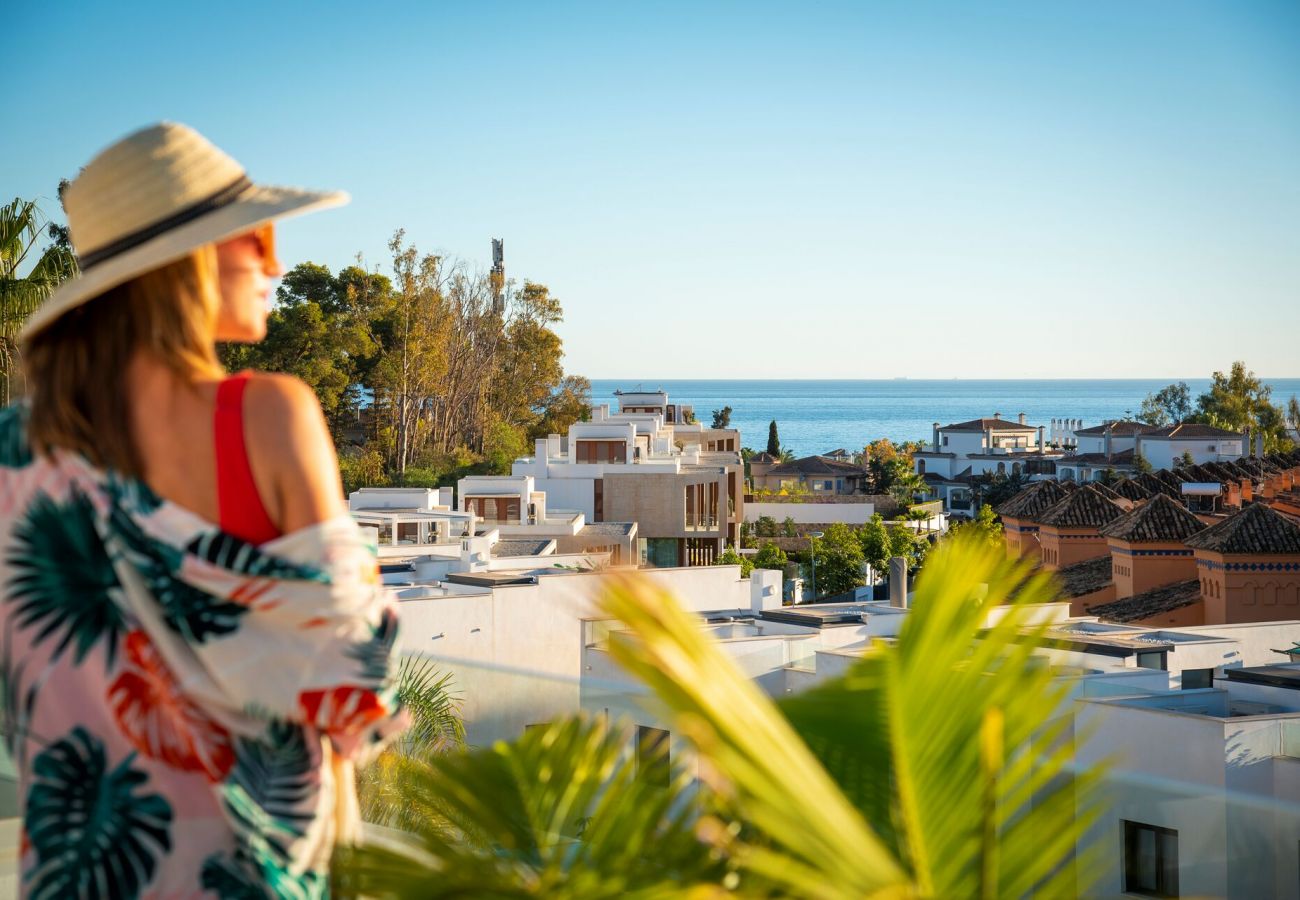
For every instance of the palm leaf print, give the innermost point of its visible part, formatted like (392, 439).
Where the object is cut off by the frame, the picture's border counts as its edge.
(376, 654)
(236, 555)
(63, 580)
(192, 613)
(160, 721)
(270, 793)
(94, 833)
(15, 452)
(237, 878)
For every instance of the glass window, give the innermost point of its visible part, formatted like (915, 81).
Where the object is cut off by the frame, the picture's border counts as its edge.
(1152, 659)
(1194, 679)
(652, 757)
(1150, 860)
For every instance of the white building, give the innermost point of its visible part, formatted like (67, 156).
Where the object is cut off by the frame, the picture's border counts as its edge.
(1165, 447)
(993, 446)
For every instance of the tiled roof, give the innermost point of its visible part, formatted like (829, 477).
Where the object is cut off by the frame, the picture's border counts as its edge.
(763, 457)
(1122, 458)
(1189, 430)
(1170, 479)
(1033, 500)
(1106, 490)
(1154, 484)
(1131, 490)
(1086, 576)
(986, 424)
(1256, 529)
(1122, 428)
(1149, 603)
(816, 465)
(1085, 508)
(1159, 519)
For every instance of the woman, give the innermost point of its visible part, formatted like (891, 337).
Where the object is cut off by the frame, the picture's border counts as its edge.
(194, 650)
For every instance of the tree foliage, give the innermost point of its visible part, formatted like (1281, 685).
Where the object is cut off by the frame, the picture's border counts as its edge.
(730, 557)
(773, 439)
(421, 371)
(770, 556)
(838, 558)
(722, 417)
(28, 275)
(1168, 405)
(985, 528)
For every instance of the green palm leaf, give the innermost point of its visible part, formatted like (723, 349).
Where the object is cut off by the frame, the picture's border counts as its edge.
(237, 555)
(63, 580)
(93, 832)
(562, 812)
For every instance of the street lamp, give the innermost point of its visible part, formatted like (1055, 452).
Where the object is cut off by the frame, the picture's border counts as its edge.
(812, 550)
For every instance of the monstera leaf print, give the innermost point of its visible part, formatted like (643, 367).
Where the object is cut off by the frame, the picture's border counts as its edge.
(270, 793)
(237, 555)
(94, 833)
(15, 452)
(194, 614)
(63, 580)
(235, 877)
(160, 721)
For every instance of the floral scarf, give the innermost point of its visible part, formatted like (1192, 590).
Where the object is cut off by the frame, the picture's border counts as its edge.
(183, 708)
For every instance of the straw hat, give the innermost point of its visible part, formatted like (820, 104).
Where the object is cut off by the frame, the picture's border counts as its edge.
(154, 197)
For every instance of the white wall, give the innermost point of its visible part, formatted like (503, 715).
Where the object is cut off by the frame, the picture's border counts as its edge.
(812, 513)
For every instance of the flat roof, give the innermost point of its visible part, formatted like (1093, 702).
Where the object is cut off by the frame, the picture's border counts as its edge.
(1275, 676)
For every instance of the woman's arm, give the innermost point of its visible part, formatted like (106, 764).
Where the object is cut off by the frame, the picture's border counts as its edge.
(290, 451)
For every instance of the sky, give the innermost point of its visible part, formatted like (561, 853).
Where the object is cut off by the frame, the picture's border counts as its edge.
(751, 190)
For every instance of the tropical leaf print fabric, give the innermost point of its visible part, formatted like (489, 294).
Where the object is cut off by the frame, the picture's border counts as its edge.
(183, 708)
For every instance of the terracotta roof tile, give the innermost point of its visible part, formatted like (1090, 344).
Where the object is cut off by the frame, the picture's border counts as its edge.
(1085, 508)
(1159, 519)
(1256, 529)
(1122, 428)
(816, 465)
(1188, 430)
(1033, 500)
(1085, 577)
(1131, 490)
(1149, 603)
(986, 424)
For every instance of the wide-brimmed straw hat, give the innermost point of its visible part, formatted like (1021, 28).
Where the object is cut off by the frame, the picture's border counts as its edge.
(154, 197)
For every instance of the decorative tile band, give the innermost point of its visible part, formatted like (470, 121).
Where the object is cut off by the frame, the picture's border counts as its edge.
(1249, 567)
(1126, 552)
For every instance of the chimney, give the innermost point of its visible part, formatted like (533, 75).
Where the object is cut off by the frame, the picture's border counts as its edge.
(898, 582)
(936, 437)
(1106, 448)
(1042, 447)
(1250, 442)
(1247, 491)
(1022, 418)
(997, 415)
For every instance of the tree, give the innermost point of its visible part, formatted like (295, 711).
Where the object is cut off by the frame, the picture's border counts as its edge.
(838, 556)
(873, 537)
(985, 528)
(934, 767)
(1240, 400)
(20, 293)
(994, 489)
(770, 556)
(1293, 415)
(788, 528)
(1168, 405)
(773, 440)
(1141, 463)
(765, 526)
(906, 543)
(722, 417)
(1186, 460)
(730, 557)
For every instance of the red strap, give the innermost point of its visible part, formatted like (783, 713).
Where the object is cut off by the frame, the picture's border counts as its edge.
(240, 506)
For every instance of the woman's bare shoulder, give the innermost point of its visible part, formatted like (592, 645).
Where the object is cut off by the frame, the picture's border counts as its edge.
(290, 444)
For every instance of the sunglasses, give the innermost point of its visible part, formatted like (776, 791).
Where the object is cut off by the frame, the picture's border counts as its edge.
(264, 235)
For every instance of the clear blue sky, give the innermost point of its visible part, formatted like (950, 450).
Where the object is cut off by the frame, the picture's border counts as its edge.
(1034, 189)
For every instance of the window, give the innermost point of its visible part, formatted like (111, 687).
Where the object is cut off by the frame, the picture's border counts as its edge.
(945, 440)
(1150, 860)
(601, 452)
(920, 467)
(652, 758)
(1151, 659)
(1194, 679)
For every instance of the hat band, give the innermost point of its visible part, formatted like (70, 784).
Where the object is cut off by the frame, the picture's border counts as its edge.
(223, 197)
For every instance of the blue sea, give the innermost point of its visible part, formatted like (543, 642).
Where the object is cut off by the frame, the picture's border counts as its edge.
(818, 416)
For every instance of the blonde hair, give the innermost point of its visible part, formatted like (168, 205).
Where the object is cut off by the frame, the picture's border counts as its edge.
(76, 367)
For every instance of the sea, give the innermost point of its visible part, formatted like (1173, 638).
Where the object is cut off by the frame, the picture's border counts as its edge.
(819, 416)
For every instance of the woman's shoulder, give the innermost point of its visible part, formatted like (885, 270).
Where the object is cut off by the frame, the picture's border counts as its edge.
(277, 394)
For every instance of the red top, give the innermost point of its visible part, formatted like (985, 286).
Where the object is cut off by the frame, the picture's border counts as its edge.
(240, 506)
